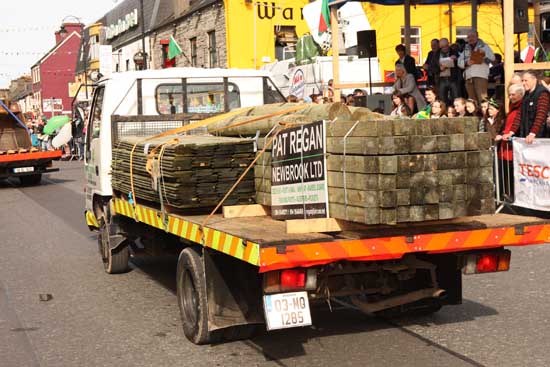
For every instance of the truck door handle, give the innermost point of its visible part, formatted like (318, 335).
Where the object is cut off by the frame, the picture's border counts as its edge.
(96, 170)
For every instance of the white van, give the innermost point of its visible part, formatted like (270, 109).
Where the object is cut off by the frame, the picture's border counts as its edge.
(170, 98)
(304, 80)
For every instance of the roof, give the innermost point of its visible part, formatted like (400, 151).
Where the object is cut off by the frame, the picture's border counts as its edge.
(400, 2)
(55, 48)
(168, 16)
(178, 73)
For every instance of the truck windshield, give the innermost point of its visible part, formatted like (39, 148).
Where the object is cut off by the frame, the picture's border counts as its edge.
(201, 98)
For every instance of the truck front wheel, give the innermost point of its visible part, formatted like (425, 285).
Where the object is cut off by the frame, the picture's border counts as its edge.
(192, 299)
(115, 258)
(30, 180)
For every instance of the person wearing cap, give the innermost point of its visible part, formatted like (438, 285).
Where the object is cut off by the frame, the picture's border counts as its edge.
(530, 121)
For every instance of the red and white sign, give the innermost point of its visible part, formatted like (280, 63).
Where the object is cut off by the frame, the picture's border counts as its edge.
(298, 84)
(532, 174)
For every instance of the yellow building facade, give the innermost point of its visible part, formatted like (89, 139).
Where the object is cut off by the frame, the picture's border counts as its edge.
(252, 27)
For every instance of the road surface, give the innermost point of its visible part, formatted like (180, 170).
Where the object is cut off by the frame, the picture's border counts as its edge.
(58, 308)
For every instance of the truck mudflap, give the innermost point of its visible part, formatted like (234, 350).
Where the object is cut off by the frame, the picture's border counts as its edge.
(91, 220)
(233, 292)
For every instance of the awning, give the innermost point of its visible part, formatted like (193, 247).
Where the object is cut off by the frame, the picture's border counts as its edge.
(398, 2)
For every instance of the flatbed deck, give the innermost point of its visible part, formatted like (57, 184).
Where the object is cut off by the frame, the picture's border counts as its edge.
(263, 241)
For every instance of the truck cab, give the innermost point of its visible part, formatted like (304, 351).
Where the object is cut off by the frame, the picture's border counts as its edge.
(176, 96)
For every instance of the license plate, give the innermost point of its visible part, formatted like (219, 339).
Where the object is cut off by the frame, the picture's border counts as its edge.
(287, 310)
(23, 169)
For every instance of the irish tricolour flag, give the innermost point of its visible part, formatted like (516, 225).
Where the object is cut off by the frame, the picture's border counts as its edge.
(324, 21)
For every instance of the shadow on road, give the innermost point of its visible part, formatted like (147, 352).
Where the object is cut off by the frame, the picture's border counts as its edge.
(276, 346)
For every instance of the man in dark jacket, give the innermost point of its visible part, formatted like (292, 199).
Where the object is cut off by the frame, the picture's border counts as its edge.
(530, 122)
(407, 61)
(432, 63)
(449, 74)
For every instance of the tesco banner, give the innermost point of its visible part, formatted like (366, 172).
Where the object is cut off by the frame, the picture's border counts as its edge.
(532, 174)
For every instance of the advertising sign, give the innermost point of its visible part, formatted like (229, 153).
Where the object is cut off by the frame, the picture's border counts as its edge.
(532, 174)
(298, 84)
(298, 173)
(52, 105)
(106, 60)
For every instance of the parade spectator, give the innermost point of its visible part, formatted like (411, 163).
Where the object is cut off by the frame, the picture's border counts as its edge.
(475, 60)
(439, 109)
(493, 121)
(483, 106)
(292, 99)
(400, 107)
(407, 61)
(472, 108)
(449, 75)
(329, 91)
(460, 107)
(505, 152)
(430, 95)
(406, 85)
(431, 66)
(515, 79)
(530, 121)
(496, 72)
(451, 112)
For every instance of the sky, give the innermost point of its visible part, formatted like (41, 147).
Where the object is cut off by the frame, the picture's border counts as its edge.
(27, 27)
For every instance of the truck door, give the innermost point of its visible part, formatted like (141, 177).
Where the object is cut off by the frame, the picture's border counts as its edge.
(93, 154)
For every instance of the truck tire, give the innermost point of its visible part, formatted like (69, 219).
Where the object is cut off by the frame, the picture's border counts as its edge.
(30, 180)
(192, 298)
(115, 261)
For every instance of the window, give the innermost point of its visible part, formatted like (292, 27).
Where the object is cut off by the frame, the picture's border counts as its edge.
(271, 93)
(212, 50)
(416, 43)
(201, 98)
(166, 62)
(285, 42)
(95, 120)
(193, 46)
(127, 64)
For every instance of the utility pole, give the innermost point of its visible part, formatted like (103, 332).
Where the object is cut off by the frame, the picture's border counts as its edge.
(142, 20)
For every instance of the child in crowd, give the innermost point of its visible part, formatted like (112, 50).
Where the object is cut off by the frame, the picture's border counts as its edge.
(438, 109)
(400, 108)
(451, 111)
(472, 108)
(483, 107)
(460, 107)
(493, 121)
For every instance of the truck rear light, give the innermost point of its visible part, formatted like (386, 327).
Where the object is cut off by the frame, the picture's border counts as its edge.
(290, 279)
(487, 262)
(293, 279)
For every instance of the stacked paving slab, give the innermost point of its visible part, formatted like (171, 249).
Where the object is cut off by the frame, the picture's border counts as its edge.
(193, 173)
(405, 170)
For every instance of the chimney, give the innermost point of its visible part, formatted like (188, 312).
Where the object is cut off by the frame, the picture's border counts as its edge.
(180, 7)
(66, 29)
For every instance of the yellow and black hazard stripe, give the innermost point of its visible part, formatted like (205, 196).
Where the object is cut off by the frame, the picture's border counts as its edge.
(220, 241)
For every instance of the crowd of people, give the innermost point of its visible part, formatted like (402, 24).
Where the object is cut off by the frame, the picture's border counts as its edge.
(73, 149)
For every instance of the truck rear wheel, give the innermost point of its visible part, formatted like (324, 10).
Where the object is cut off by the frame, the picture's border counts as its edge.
(192, 298)
(30, 180)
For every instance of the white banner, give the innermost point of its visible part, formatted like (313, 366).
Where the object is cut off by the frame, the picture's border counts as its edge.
(532, 174)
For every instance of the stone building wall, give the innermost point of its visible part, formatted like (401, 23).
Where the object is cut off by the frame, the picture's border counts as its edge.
(196, 24)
